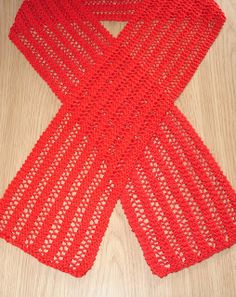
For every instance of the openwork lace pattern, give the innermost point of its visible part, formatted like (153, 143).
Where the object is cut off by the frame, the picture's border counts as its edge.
(118, 135)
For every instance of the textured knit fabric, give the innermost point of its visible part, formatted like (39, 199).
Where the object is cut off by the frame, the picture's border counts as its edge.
(118, 135)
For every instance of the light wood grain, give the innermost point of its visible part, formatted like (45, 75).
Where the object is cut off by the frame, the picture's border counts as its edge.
(27, 106)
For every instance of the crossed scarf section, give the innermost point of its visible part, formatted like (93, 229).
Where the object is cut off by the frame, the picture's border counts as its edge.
(118, 135)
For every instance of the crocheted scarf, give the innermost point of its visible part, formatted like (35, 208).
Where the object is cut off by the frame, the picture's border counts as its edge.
(118, 135)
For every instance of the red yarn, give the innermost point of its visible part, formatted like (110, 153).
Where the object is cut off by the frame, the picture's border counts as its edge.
(118, 135)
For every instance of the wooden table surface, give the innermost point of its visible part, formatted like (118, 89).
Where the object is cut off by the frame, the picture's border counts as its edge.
(26, 107)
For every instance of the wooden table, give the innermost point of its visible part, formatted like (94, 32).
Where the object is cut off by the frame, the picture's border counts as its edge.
(26, 107)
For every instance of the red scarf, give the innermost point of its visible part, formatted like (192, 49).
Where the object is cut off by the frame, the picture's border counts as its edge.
(118, 135)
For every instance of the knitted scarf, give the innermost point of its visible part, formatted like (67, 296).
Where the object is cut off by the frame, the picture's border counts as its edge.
(118, 135)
